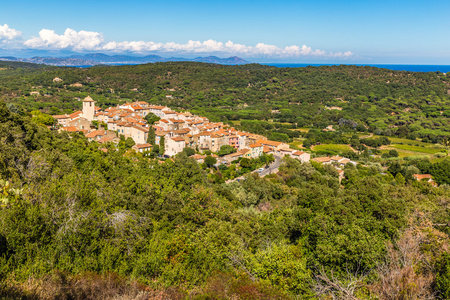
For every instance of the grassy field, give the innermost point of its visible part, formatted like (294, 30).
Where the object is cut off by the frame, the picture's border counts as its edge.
(301, 129)
(296, 144)
(418, 149)
(332, 147)
(396, 140)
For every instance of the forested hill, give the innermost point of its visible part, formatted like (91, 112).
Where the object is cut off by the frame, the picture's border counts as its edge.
(378, 99)
(20, 68)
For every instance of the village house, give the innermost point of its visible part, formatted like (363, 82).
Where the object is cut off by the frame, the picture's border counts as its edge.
(138, 134)
(257, 150)
(80, 123)
(62, 120)
(98, 134)
(322, 160)
(179, 129)
(173, 146)
(425, 177)
(275, 145)
(302, 156)
(142, 147)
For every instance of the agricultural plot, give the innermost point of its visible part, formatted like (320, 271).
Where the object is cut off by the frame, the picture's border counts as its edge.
(332, 147)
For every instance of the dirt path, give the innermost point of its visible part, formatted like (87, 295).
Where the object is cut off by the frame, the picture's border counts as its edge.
(366, 136)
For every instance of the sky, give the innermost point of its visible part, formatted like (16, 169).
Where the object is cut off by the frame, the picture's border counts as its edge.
(319, 31)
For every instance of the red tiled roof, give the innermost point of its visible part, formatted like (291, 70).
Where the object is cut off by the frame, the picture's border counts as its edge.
(61, 116)
(178, 139)
(75, 114)
(141, 146)
(96, 133)
(322, 159)
(70, 129)
(422, 176)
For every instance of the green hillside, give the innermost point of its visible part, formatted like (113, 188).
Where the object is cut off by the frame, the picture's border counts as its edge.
(379, 99)
(80, 220)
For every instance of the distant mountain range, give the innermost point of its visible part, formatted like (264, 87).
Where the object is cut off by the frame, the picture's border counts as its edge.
(93, 59)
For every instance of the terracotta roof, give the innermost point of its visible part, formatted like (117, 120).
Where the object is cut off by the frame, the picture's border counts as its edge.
(269, 143)
(322, 159)
(178, 139)
(105, 139)
(337, 158)
(298, 153)
(141, 146)
(422, 176)
(245, 151)
(289, 150)
(141, 128)
(344, 161)
(70, 129)
(61, 116)
(255, 145)
(176, 121)
(96, 133)
(75, 114)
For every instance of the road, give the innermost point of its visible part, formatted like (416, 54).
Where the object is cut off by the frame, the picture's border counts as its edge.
(273, 168)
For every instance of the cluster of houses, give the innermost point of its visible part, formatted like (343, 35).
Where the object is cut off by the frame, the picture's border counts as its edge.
(178, 129)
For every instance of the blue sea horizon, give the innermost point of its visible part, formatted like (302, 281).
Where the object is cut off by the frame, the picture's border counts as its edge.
(410, 68)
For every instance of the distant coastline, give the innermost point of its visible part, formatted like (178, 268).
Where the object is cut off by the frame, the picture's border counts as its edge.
(410, 68)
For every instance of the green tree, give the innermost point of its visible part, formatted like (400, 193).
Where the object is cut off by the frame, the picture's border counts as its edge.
(43, 119)
(395, 168)
(152, 119)
(226, 149)
(161, 145)
(443, 276)
(393, 153)
(151, 136)
(189, 151)
(210, 161)
(400, 179)
(245, 162)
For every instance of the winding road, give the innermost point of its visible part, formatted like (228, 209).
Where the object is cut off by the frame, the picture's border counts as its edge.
(273, 168)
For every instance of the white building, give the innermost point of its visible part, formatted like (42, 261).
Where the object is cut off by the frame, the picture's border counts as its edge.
(88, 108)
(173, 146)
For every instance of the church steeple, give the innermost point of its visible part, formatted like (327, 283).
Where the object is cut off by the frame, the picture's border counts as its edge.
(88, 108)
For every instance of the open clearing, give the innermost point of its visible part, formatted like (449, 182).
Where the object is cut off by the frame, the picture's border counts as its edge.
(332, 147)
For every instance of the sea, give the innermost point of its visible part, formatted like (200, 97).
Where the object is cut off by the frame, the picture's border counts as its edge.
(410, 68)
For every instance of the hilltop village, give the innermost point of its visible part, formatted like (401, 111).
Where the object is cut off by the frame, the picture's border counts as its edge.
(176, 130)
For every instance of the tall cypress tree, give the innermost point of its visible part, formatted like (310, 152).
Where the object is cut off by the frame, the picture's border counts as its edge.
(151, 136)
(161, 145)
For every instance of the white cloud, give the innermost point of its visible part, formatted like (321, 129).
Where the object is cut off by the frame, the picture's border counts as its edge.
(93, 41)
(8, 33)
(71, 39)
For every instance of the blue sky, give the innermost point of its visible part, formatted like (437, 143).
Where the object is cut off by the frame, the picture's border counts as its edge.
(412, 32)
